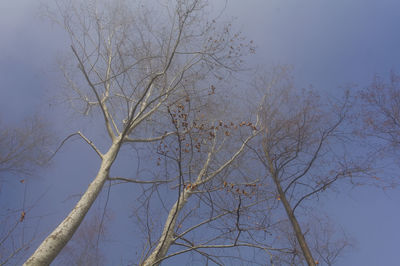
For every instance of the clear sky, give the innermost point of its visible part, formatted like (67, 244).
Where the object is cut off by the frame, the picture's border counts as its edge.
(330, 44)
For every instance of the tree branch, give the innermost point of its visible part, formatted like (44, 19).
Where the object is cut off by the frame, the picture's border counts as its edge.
(128, 139)
(129, 180)
(84, 138)
(100, 101)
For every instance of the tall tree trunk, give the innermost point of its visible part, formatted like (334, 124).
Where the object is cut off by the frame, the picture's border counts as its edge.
(55, 242)
(295, 224)
(167, 237)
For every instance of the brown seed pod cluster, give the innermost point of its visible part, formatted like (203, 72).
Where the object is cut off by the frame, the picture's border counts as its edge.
(194, 131)
(247, 189)
(190, 186)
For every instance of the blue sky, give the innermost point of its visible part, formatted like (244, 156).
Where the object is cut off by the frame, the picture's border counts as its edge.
(331, 44)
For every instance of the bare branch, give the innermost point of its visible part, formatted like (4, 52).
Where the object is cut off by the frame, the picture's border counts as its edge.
(100, 101)
(91, 144)
(129, 180)
(128, 139)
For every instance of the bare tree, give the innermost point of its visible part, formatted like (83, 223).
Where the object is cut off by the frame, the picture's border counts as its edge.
(132, 69)
(23, 150)
(302, 149)
(155, 74)
(381, 110)
(200, 155)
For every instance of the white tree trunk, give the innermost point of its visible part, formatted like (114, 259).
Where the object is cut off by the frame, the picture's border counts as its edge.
(167, 237)
(55, 242)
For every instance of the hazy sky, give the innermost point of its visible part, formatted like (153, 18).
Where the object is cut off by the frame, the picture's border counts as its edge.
(329, 43)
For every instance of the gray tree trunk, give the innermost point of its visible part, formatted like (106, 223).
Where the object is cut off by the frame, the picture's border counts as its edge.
(295, 224)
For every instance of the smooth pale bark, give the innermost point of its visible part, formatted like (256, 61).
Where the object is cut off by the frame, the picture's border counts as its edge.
(55, 242)
(167, 237)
